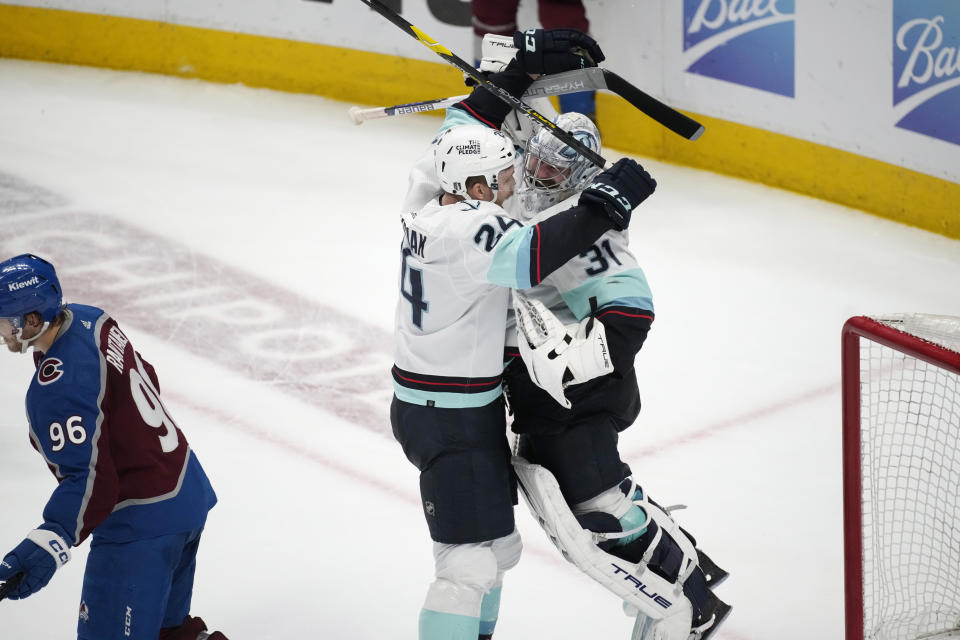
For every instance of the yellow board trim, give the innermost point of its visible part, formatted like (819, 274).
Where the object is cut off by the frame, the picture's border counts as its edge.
(112, 42)
(884, 189)
(363, 77)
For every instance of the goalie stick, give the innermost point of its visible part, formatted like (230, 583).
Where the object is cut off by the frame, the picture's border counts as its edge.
(466, 68)
(667, 116)
(591, 78)
(553, 85)
(7, 587)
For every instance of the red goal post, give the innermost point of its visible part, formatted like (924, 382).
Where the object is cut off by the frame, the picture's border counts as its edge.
(901, 461)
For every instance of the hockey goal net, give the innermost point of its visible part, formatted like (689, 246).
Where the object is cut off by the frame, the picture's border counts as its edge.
(901, 459)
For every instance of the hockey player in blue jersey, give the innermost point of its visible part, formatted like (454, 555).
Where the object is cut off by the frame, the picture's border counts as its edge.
(127, 478)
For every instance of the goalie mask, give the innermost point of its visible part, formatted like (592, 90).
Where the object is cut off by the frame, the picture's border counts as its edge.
(468, 151)
(27, 284)
(552, 171)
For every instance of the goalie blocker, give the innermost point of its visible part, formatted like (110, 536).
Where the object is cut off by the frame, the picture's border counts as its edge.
(656, 575)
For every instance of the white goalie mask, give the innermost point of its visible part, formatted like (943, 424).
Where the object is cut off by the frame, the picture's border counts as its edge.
(552, 171)
(470, 150)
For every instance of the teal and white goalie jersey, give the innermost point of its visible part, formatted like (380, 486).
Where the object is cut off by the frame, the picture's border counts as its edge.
(606, 272)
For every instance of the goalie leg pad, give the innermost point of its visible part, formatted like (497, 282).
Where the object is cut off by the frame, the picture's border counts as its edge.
(644, 590)
(583, 457)
(658, 550)
(659, 544)
(674, 548)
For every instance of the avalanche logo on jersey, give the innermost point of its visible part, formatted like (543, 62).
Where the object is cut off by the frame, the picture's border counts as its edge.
(926, 67)
(49, 371)
(748, 42)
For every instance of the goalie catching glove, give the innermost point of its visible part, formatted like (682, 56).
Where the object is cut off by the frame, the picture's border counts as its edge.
(558, 355)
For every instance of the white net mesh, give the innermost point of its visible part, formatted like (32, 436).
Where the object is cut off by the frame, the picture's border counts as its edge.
(910, 474)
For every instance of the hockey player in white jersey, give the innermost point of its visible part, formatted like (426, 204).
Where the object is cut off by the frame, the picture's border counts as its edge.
(448, 410)
(572, 388)
(579, 443)
(461, 255)
(554, 173)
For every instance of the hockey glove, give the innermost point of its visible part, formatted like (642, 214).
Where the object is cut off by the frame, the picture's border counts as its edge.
(558, 355)
(588, 356)
(37, 557)
(498, 52)
(545, 51)
(619, 190)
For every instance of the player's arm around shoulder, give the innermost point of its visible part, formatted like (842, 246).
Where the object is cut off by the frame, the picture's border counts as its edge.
(487, 240)
(502, 243)
(607, 203)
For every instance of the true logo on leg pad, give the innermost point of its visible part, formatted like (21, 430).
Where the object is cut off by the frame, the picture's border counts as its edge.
(641, 587)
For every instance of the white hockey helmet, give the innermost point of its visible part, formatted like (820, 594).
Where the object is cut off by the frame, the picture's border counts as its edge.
(466, 151)
(551, 166)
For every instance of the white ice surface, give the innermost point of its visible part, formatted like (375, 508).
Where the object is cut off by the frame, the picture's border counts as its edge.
(319, 533)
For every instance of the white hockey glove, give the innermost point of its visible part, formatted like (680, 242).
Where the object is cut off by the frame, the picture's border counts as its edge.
(558, 355)
(497, 52)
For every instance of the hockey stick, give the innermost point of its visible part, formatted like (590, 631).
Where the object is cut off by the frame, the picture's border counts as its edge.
(6, 588)
(552, 85)
(589, 79)
(667, 116)
(359, 115)
(466, 68)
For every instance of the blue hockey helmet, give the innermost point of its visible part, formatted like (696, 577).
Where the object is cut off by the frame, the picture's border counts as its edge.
(29, 283)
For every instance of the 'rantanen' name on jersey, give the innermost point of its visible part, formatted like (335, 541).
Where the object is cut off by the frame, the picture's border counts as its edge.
(116, 343)
(415, 241)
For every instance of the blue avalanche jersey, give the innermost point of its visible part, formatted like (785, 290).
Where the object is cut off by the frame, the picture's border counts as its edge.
(124, 468)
